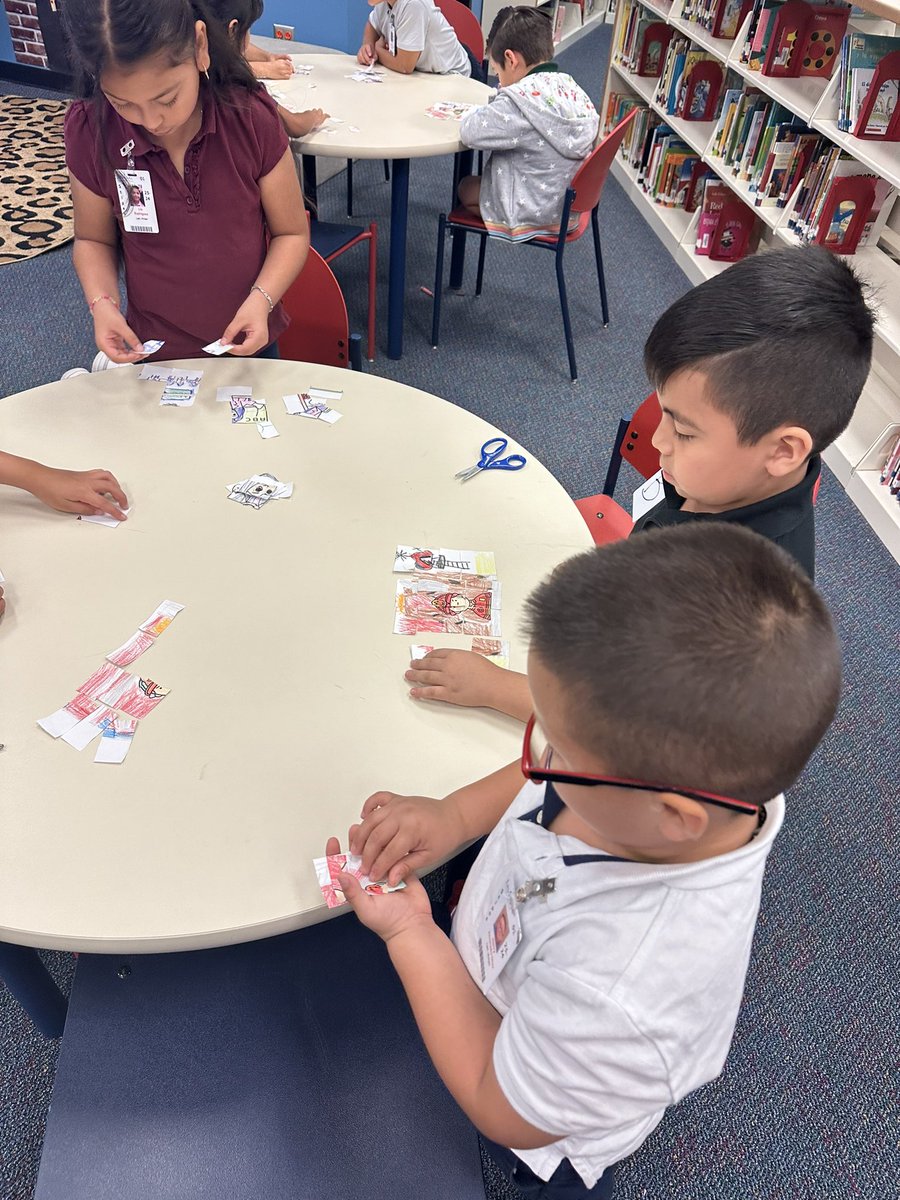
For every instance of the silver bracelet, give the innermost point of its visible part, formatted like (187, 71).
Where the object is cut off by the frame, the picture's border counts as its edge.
(268, 299)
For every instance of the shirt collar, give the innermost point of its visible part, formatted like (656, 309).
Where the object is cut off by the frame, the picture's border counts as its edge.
(125, 132)
(547, 66)
(771, 516)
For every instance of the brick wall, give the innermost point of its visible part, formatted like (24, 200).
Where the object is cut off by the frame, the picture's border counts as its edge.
(25, 31)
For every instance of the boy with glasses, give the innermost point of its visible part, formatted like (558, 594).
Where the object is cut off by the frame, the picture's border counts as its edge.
(598, 954)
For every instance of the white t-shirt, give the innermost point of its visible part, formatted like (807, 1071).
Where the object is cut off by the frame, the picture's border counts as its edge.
(422, 27)
(623, 994)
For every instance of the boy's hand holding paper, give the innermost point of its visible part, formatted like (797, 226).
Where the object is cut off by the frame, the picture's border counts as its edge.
(403, 834)
(390, 913)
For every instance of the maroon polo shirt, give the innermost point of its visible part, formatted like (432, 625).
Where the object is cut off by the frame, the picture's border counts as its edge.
(186, 282)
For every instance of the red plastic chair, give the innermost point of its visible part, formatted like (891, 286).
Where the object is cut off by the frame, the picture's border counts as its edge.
(319, 330)
(607, 520)
(331, 241)
(465, 25)
(582, 199)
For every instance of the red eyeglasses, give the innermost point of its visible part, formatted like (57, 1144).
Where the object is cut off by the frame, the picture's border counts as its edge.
(543, 774)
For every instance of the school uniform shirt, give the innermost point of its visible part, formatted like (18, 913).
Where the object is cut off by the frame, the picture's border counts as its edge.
(623, 993)
(787, 519)
(186, 282)
(539, 132)
(422, 27)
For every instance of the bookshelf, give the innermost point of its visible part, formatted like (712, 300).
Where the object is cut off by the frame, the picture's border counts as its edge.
(851, 458)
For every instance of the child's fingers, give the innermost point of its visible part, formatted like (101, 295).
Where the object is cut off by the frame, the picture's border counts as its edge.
(112, 486)
(428, 693)
(102, 505)
(417, 675)
(407, 868)
(376, 800)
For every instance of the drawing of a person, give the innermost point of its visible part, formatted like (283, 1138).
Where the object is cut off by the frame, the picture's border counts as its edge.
(454, 604)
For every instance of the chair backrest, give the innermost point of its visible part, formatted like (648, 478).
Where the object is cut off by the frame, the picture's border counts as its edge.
(634, 444)
(465, 25)
(319, 330)
(588, 181)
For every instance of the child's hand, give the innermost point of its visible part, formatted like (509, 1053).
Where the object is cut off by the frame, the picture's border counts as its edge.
(251, 320)
(275, 68)
(85, 492)
(456, 677)
(387, 915)
(300, 124)
(114, 336)
(401, 834)
(366, 54)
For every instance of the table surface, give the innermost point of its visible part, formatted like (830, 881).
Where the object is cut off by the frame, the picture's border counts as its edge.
(288, 705)
(388, 118)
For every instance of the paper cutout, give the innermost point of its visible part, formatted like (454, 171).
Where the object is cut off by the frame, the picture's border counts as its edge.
(151, 346)
(302, 68)
(492, 649)
(327, 869)
(105, 679)
(68, 716)
(161, 617)
(369, 75)
(449, 110)
(467, 604)
(103, 519)
(248, 412)
(224, 395)
(218, 347)
(85, 731)
(181, 389)
(125, 654)
(141, 697)
(267, 430)
(115, 740)
(259, 490)
(424, 560)
(313, 403)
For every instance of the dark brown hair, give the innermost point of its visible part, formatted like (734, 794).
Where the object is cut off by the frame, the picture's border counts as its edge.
(699, 655)
(784, 338)
(527, 31)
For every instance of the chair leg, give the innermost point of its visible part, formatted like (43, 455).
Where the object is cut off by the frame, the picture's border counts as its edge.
(373, 267)
(482, 250)
(567, 324)
(387, 171)
(355, 355)
(349, 187)
(595, 226)
(438, 281)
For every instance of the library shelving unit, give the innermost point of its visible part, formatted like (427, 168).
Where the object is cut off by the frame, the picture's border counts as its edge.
(576, 19)
(857, 456)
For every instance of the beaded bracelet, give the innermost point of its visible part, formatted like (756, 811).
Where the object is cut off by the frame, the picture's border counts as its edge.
(97, 299)
(268, 299)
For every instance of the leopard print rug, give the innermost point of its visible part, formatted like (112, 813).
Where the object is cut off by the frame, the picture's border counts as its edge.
(35, 204)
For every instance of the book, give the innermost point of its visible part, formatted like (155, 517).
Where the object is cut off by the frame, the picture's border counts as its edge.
(715, 196)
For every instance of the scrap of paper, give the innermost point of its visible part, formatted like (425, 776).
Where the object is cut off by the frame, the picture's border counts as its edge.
(108, 679)
(141, 697)
(248, 412)
(301, 68)
(490, 648)
(313, 404)
(267, 430)
(425, 560)
(369, 75)
(103, 519)
(82, 734)
(68, 716)
(327, 870)
(224, 395)
(161, 617)
(218, 347)
(115, 740)
(259, 490)
(130, 650)
(151, 345)
(468, 604)
(181, 388)
(449, 110)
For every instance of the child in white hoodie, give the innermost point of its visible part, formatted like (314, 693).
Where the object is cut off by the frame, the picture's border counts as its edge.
(539, 128)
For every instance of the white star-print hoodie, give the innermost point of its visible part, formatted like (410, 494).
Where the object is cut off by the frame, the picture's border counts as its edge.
(538, 131)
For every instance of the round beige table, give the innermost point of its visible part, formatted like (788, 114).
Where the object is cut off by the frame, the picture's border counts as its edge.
(288, 705)
(379, 120)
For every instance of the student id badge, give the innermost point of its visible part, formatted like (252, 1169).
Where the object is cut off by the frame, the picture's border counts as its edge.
(392, 35)
(136, 201)
(499, 933)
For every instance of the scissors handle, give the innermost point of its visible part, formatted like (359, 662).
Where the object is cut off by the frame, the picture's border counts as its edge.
(512, 462)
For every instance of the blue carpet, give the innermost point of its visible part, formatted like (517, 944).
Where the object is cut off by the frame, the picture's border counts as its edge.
(801, 1109)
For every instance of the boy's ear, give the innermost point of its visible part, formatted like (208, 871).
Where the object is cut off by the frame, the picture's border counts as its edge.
(791, 446)
(682, 819)
(201, 46)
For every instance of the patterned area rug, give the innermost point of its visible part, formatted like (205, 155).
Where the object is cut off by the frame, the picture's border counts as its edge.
(35, 204)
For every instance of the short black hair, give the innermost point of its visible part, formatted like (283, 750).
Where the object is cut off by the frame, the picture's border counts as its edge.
(784, 337)
(527, 31)
(699, 656)
(245, 12)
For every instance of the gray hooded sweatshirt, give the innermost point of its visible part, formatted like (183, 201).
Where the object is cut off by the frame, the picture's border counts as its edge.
(539, 131)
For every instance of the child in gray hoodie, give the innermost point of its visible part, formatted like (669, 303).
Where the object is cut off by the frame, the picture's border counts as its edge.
(539, 127)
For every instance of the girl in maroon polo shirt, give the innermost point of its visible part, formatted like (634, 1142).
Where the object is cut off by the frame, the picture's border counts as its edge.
(172, 112)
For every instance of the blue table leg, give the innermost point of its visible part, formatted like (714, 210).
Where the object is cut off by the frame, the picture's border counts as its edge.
(463, 167)
(30, 982)
(397, 266)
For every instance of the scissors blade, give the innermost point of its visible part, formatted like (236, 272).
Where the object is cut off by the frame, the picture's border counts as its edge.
(469, 472)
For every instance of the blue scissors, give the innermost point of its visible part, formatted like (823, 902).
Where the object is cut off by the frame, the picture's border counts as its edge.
(491, 461)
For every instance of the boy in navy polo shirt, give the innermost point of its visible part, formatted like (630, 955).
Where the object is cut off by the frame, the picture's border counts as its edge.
(757, 371)
(600, 946)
